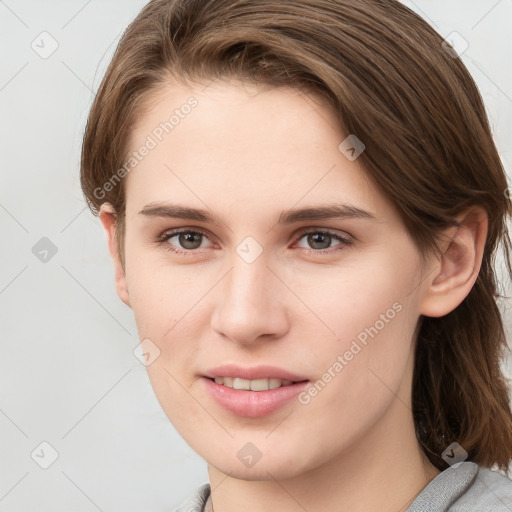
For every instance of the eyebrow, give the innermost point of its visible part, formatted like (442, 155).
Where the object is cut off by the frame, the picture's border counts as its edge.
(324, 212)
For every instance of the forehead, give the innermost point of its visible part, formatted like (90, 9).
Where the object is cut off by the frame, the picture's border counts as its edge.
(232, 143)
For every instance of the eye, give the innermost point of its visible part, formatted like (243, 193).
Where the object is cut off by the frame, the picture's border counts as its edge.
(188, 241)
(320, 240)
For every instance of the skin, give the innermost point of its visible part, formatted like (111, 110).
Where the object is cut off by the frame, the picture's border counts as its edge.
(246, 153)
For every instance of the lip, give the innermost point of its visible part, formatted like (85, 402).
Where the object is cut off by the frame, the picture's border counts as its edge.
(253, 373)
(252, 404)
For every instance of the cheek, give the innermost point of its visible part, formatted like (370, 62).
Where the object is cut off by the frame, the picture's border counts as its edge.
(160, 293)
(181, 402)
(363, 301)
(358, 381)
(167, 306)
(373, 315)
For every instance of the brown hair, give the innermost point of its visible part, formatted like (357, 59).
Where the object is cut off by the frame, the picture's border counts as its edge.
(384, 72)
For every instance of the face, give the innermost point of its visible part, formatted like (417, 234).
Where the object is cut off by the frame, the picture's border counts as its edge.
(261, 283)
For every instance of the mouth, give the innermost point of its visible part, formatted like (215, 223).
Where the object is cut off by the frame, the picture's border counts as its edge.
(253, 385)
(252, 392)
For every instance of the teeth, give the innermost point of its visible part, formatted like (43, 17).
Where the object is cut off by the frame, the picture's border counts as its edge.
(241, 384)
(252, 385)
(274, 383)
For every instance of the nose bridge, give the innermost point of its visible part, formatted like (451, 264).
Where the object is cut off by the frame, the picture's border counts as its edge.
(248, 284)
(248, 307)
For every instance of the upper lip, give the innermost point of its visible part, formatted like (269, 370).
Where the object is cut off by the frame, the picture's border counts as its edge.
(253, 373)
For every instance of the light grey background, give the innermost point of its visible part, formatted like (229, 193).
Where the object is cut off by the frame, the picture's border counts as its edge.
(67, 370)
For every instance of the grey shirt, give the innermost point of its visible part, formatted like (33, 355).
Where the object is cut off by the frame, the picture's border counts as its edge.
(465, 487)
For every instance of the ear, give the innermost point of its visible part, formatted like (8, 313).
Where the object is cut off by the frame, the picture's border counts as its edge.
(453, 275)
(108, 219)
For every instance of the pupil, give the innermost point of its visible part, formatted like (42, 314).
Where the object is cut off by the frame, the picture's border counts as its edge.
(188, 240)
(318, 238)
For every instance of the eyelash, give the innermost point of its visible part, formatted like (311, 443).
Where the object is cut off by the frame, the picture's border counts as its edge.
(163, 240)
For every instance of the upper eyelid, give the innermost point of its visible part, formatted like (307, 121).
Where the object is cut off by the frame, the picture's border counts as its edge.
(331, 231)
(172, 232)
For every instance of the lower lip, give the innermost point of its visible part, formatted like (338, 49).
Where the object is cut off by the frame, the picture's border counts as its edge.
(253, 404)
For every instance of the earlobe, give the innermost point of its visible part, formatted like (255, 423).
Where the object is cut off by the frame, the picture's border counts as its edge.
(108, 219)
(453, 275)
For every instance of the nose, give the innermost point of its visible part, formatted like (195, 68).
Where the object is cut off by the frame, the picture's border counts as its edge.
(250, 303)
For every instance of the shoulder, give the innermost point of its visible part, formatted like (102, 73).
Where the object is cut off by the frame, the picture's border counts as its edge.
(489, 491)
(195, 501)
(465, 487)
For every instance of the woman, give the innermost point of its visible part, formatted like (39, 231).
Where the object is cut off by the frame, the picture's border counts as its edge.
(303, 203)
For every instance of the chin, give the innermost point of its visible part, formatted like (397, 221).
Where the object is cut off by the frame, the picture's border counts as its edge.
(280, 465)
(259, 472)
